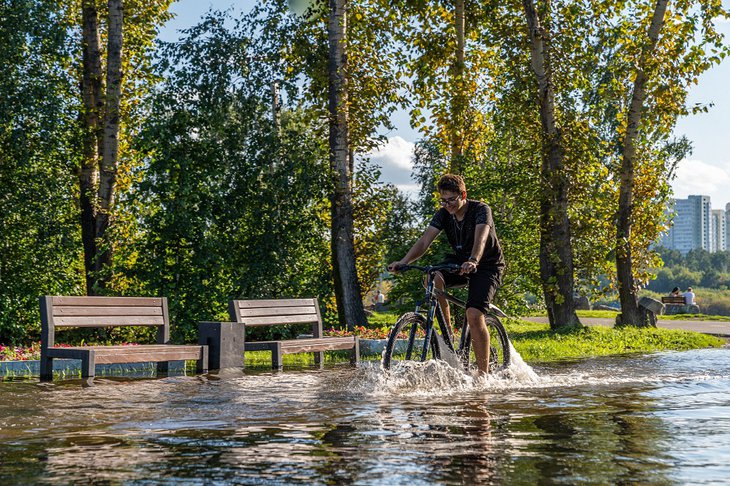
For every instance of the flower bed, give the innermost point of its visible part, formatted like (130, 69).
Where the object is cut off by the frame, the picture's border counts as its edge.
(32, 352)
(360, 331)
(20, 353)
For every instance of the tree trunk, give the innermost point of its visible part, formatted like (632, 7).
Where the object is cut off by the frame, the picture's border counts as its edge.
(556, 254)
(110, 154)
(347, 289)
(630, 312)
(458, 101)
(91, 88)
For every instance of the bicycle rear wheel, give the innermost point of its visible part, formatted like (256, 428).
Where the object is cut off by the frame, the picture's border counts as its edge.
(406, 341)
(499, 350)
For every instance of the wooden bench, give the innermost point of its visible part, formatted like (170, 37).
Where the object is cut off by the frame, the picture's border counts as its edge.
(673, 300)
(59, 312)
(291, 311)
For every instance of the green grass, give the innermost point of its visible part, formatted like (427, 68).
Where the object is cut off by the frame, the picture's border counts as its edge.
(380, 319)
(598, 314)
(262, 359)
(537, 343)
(580, 313)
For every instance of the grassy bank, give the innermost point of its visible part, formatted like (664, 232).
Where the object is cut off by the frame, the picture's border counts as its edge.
(538, 344)
(599, 314)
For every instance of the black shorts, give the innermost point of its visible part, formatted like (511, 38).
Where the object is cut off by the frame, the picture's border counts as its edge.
(483, 284)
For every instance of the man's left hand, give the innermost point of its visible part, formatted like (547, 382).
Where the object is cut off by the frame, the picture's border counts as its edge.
(468, 267)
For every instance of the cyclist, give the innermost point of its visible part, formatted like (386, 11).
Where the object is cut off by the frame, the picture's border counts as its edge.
(470, 231)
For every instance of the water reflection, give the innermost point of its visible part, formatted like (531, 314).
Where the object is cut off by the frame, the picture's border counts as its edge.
(657, 419)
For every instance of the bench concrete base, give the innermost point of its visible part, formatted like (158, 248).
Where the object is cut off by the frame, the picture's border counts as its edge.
(671, 309)
(32, 368)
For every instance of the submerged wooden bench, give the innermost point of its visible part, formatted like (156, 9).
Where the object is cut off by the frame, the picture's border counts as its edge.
(59, 312)
(290, 311)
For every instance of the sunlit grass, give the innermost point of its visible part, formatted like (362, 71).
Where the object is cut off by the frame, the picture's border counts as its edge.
(601, 314)
(262, 359)
(537, 343)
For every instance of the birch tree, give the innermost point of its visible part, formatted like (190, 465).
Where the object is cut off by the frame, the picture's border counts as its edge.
(105, 63)
(556, 254)
(347, 287)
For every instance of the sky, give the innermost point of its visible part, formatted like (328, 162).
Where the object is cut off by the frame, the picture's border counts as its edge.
(705, 172)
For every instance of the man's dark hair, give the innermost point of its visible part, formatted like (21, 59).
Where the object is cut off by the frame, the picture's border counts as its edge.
(451, 183)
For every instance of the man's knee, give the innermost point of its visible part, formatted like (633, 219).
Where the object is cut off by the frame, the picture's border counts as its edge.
(438, 281)
(473, 314)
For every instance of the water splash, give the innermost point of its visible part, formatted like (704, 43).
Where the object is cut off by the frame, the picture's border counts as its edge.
(520, 371)
(453, 359)
(442, 377)
(447, 377)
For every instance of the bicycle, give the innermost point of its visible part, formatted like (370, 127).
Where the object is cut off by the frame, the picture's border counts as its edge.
(415, 337)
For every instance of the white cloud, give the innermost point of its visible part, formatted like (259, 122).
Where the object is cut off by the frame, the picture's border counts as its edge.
(396, 160)
(695, 177)
(397, 151)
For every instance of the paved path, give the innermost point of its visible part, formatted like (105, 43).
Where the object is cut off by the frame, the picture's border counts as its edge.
(717, 328)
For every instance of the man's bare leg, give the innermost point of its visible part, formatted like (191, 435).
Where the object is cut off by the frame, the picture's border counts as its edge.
(479, 338)
(438, 283)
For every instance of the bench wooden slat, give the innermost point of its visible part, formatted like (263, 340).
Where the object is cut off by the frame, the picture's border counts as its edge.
(281, 311)
(289, 311)
(292, 347)
(268, 321)
(108, 301)
(72, 311)
(106, 311)
(248, 304)
(673, 300)
(108, 321)
(130, 354)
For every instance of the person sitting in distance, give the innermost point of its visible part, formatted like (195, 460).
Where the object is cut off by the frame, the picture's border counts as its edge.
(675, 292)
(689, 297)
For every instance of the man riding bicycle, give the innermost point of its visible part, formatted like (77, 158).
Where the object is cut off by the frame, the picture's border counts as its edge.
(470, 231)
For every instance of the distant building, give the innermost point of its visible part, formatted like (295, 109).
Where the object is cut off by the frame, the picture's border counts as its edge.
(691, 225)
(718, 226)
(727, 226)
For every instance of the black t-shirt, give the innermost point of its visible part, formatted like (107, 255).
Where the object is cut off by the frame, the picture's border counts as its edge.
(461, 234)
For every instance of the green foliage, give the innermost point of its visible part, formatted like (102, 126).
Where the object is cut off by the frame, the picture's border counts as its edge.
(40, 241)
(228, 205)
(377, 214)
(698, 268)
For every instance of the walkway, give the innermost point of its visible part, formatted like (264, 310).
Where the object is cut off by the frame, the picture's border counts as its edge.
(716, 328)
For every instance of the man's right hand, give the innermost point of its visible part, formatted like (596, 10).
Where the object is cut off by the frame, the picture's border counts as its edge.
(395, 266)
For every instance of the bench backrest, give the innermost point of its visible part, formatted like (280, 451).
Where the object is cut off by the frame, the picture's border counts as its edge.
(673, 300)
(277, 311)
(57, 311)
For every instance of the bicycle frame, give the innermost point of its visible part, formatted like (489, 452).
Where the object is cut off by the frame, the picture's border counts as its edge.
(431, 297)
(423, 318)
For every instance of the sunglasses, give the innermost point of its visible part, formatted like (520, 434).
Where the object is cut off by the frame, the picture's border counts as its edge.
(449, 200)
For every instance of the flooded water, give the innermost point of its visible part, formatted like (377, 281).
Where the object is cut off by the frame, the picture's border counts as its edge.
(656, 419)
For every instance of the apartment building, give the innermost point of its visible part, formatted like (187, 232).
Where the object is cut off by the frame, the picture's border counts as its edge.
(696, 225)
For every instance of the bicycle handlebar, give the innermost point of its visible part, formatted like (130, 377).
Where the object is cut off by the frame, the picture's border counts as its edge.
(449, 267)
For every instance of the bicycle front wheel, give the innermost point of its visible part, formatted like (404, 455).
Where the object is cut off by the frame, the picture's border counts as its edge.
(499, 347)
(407, 341)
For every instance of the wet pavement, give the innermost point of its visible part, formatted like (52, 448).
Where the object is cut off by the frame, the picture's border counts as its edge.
(658, 419)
